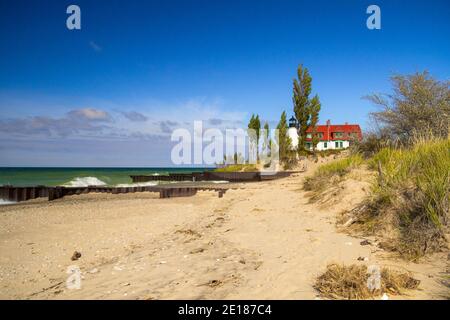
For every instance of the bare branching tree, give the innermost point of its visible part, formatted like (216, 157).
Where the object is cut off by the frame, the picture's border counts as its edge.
(418, 104)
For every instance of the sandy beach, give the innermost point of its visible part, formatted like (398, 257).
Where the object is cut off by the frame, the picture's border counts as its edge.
(225, 150)
(260, 241)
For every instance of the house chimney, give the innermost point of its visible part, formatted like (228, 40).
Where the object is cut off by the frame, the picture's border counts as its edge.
(328, 130)
(346, 123)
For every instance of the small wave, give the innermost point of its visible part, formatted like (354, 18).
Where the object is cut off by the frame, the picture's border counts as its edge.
(84, 182)
(3, 202)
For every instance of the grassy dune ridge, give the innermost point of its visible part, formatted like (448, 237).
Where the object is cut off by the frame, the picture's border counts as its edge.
(328, 173)
(409, 202)
(413, 185)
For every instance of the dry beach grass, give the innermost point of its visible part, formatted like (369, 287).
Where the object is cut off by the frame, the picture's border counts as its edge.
(350, 282)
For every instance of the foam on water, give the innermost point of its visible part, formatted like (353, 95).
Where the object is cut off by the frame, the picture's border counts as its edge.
(3, 202)
(84, 182)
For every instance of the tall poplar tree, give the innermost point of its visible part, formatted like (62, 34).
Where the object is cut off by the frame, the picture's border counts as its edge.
(306, 110)
(266, 139)
(283, 140)
(254, 127)
(314, 110)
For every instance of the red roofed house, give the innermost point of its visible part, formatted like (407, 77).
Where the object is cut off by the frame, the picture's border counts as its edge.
(331, 136)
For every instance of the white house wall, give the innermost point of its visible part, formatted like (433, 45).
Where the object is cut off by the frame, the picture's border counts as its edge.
(331, 145)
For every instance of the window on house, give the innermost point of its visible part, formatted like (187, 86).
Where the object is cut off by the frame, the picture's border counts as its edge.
(308, 135)
(320, 135)
(324, 145)
(336, 144)
(338, 134)
(341, 144)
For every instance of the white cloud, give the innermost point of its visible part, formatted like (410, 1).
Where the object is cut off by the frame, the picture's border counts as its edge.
(134, 116)
(90, 114)
(68, 134)
(114, 119)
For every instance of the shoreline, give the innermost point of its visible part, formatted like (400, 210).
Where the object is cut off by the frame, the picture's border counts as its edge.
(167, 185)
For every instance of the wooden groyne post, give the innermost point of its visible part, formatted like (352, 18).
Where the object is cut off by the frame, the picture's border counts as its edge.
(18, 194)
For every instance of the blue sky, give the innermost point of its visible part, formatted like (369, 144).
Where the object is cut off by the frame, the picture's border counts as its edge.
(110, 93)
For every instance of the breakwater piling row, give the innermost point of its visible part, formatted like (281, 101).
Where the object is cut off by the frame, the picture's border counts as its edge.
(215, 176)
(19, 194)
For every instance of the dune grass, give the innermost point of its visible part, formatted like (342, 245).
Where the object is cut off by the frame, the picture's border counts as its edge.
(238, 168)
(408, 203)
(414, 186)
(330, 172)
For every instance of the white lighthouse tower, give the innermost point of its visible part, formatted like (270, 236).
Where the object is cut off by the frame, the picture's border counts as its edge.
(292, 132)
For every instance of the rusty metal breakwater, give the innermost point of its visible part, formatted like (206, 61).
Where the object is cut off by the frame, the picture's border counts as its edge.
(18, 194)
(214, 176)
